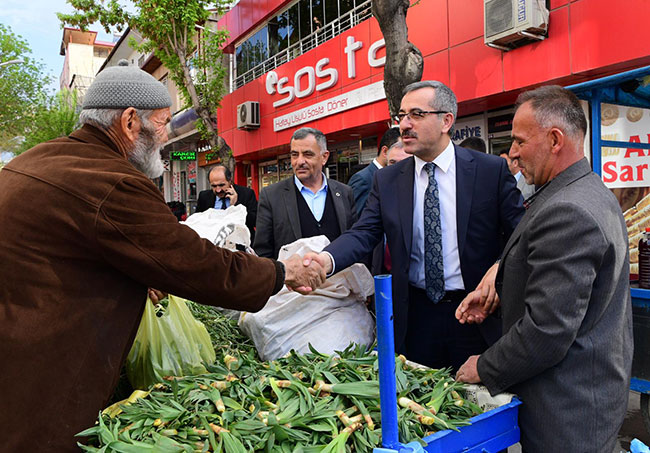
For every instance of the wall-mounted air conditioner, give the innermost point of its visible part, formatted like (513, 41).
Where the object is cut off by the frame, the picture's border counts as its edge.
(512, 23)
(248, 115)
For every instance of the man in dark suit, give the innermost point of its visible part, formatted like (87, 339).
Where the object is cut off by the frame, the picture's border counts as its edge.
(361, 181)
(463, 209)
(225, 193)
(563, 283)
(306, 205)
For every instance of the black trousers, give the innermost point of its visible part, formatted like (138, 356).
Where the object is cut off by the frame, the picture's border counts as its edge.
(434, 337)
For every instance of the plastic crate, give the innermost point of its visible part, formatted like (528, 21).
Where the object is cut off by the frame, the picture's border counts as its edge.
(489, 432)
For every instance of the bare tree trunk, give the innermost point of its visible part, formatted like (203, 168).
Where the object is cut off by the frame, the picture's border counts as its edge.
(216, 142)
(404, 62)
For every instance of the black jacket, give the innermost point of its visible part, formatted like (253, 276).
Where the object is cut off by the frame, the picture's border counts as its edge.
(245, 196)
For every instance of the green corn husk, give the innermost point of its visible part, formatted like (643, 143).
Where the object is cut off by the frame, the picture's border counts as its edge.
(286, 405)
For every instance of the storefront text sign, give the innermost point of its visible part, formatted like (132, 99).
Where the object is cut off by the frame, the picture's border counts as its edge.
(469, 127)
(352, 99)
(625, 167)
(319, 77)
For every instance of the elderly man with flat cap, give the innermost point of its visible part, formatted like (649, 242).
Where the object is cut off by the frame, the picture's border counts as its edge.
(74, 273)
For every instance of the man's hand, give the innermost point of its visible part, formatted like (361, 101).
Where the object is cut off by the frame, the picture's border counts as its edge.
(471, 309)
(469, 372)
(321, 258)
(155, 295)
(303, 275)
(487, 292)
(230, 193)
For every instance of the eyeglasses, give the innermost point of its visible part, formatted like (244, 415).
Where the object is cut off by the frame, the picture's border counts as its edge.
(416, 115)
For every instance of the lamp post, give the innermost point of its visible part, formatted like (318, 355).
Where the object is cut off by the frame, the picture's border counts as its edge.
(7, 63)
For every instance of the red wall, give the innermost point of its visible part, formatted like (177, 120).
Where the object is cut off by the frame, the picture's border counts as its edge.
(587, 38)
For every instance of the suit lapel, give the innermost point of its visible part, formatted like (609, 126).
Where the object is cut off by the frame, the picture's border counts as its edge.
(404, 199)
(465, 183)
(339, 207)
(291, 204)
(212, 199)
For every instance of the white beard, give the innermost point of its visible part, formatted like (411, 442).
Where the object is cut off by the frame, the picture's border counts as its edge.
(146, 153)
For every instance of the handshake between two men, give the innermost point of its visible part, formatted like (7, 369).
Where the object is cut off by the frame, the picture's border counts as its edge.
(307, 273)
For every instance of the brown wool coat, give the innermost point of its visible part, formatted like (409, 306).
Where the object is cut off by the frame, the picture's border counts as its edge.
(83, 235)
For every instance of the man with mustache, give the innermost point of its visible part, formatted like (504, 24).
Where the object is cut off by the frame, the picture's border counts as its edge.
(74, 272)
(309, 204)
(445, 212)
(225, 193)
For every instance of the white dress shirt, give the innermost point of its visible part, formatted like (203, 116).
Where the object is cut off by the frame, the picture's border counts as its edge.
(446, 178)
(377, 164)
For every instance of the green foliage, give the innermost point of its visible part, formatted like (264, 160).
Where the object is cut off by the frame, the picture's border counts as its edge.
(56, 119)
(22, 88)
(172, 29)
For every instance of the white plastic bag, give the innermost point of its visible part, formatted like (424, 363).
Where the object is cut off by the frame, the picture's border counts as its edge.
(329, 319)
(223, 227)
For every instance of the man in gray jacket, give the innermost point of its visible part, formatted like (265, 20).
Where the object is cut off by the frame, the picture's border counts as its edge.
(563, 283)
(309, 204)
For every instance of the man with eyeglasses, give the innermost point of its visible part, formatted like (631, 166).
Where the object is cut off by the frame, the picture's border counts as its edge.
(225, 193)
(445, 212)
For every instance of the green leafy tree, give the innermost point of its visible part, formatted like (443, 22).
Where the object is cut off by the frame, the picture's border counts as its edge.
(22, 88)
(56, 119)
(173, 30)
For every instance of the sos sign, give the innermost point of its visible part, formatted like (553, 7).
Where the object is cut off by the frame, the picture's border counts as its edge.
(308, 79)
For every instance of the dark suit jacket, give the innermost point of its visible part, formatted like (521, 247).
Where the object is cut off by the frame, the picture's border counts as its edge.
(361, 182)
(278, 222)
(567, 317)
(245, 196)
(488, 206)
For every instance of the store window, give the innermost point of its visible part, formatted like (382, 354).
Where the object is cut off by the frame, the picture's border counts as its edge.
(268, 173)
(625, 170)
(304, 18)
(331, 10)
(292, 26)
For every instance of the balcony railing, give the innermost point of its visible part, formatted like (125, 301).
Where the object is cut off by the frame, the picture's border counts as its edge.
(325, 33)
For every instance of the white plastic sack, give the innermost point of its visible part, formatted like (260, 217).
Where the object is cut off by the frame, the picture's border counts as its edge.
(223, 227)
(329, 319)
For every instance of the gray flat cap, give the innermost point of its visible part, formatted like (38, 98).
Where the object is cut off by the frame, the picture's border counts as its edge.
(124, 86)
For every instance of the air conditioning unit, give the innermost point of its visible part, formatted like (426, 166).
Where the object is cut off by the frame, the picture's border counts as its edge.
(513, 23)
(248, 115)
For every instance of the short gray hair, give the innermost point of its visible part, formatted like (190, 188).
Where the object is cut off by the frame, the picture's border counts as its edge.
(304, 132)
(106, 118)
(445, 99)
(555, 106)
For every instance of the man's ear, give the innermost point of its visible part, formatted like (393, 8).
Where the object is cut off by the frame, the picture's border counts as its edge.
(557, 138)
(448, 122)
(130, 124)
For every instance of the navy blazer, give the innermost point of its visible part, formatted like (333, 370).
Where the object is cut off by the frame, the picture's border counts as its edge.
(361, 182)
(488, 208)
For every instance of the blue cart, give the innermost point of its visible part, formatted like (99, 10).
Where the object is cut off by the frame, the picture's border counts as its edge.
(489, 432)
(630, 89)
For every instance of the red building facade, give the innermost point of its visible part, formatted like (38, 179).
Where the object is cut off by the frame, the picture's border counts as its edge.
(336, 86)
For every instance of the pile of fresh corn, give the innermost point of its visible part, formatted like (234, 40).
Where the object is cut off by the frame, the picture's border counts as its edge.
(301, 403)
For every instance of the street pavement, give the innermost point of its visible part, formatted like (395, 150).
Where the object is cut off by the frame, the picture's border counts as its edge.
(633, 427)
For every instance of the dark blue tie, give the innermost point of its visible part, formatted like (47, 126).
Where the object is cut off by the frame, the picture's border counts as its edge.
(434, 271)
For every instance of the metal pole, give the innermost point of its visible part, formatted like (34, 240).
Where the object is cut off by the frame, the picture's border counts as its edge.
(386, 353)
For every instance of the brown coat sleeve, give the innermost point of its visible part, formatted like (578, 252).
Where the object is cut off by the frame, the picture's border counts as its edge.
(138, 234)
